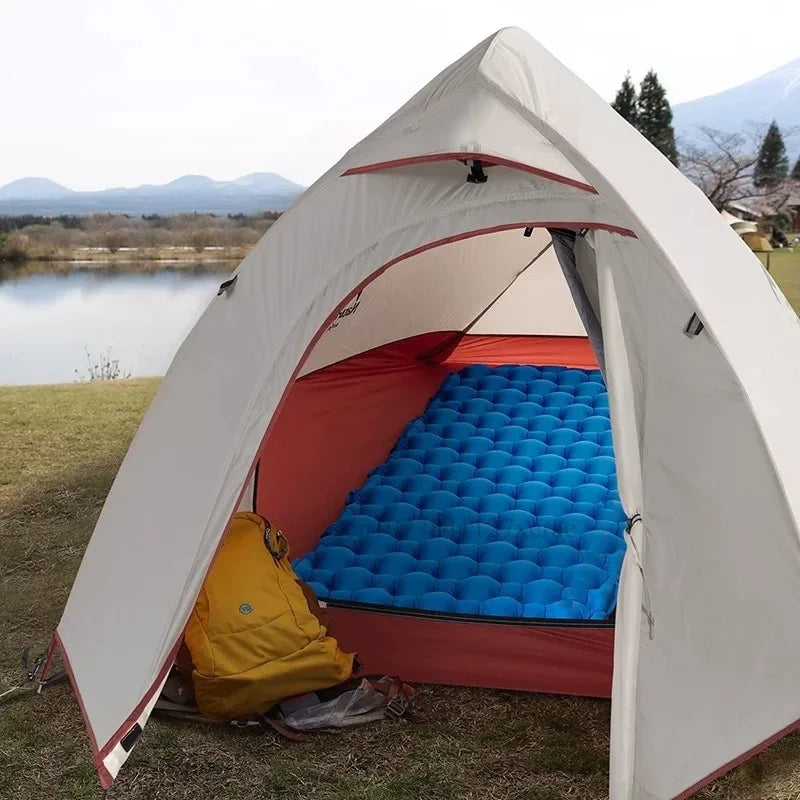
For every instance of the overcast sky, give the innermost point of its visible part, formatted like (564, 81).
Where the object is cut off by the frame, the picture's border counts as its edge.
(100, 93)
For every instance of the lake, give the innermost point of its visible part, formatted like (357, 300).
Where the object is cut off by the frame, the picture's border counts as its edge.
(49, 321)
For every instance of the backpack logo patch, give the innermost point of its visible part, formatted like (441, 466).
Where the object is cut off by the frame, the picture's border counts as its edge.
(245, 608)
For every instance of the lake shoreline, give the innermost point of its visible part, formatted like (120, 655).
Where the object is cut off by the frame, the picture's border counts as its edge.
(130, 259)
(145, 261)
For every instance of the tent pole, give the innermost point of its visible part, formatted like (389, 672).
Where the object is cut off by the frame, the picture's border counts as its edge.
(477, 319)
(48, 662)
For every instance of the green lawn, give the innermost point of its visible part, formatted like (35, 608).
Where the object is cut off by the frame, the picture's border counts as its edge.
(60, 448)
(785, 269)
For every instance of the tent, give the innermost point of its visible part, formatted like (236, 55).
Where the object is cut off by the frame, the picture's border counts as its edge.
(738, 224)
(401, 275)
(758, 242)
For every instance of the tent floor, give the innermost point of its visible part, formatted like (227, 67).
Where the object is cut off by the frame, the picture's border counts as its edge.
(485, 550)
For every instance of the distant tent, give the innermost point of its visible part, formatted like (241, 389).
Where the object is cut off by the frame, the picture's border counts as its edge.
(750, 211)
(480, 540)
(744, 226)
(758, 242)
(737, 223)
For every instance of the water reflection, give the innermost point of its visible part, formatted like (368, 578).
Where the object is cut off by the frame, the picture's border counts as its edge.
(48, 320)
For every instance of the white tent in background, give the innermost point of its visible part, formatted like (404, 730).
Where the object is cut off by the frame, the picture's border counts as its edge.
(698, 348)
(737, 223)
(730, 218)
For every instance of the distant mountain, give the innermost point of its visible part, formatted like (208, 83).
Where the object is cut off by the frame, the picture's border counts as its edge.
(258, 191)
(33, 188)
(187, 183)
(775, 95)
(265, 182)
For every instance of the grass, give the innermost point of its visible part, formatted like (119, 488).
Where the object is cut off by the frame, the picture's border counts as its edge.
(785, 269)
(61, 446)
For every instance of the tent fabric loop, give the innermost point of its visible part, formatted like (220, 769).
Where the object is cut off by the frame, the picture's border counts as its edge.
(476, 173)
(694, 327)
(636, 519)
(227, 286)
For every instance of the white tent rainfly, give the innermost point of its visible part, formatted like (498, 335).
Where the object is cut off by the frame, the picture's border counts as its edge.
(505, 200)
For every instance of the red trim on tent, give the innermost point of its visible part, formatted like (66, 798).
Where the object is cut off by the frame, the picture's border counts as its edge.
(48, 662)
(100, 753)
(558, 660)
(457, 237)
(753, 751)
(489, 160)
(137, 711)
(104, 775)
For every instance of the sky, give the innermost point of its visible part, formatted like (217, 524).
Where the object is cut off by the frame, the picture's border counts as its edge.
(102, 93)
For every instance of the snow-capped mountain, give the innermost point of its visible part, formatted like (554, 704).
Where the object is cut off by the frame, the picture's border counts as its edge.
(775, 95)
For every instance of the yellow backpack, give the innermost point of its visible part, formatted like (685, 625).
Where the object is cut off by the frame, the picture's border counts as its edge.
(251, 635)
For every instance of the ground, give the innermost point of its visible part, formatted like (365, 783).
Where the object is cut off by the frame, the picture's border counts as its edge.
(59, 449)
(784, 266)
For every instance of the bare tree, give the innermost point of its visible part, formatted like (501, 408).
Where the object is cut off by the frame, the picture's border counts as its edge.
(113, 239)
(722, 164)
(201, 238)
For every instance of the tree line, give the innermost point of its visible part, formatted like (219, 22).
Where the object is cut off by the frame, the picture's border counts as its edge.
(30, 236)
(649, 112)
(749, 166)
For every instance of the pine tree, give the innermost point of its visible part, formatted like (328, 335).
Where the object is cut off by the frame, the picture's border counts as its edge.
(772, 164)
(655, 116)
(796, 170)
(625, 101)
